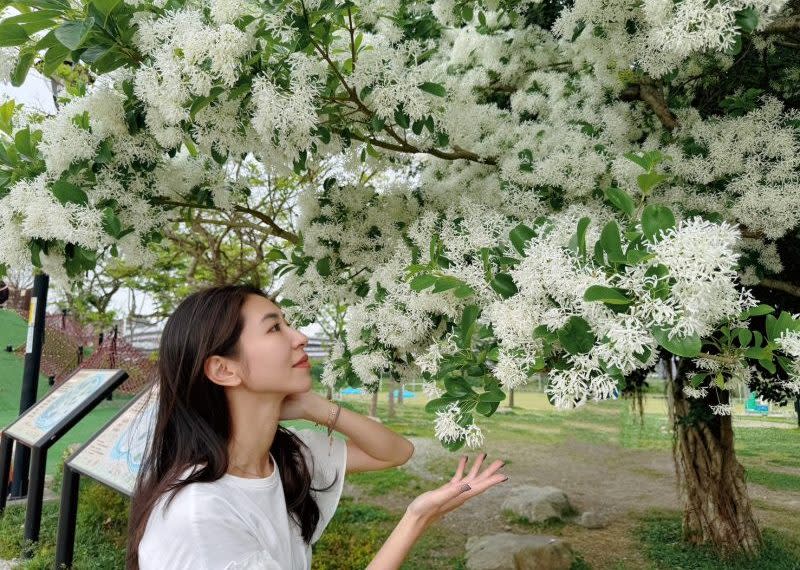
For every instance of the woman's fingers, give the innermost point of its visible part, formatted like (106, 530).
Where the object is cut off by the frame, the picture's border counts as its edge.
(476, 466)
(492, 468)
(462, 463)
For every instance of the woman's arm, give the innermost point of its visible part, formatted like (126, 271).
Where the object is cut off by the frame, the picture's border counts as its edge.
(381, 447)
(431, 506)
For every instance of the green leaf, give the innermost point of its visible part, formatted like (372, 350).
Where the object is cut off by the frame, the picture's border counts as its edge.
(745, 336)
(24, 62)
(438, 403)
(611, 242)
(466, 12)
(111, 223)
(656, 219)
(23, 143)
(12, 34)
(73, 34)
(687, 346)
(647, 160)
(747, 20)
(456, 445)
(576, 336)
(583, 223)
(503, 284)
(468, 319)
(457, 387)
(445, 283)
(401, 118)
(492, 396)
(324, 266)
(66, 192)
(520, 236)
(768, 365)
(757, 311)
(463, 291)
(649, 180)
(487, 408)
(434, 89)
(609, 295)
(422, 281)
(621, 200)
(54, 57)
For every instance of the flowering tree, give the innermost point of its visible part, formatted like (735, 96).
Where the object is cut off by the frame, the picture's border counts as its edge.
(492, 189)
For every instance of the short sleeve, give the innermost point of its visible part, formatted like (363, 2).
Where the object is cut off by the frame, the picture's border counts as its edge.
(328, 464)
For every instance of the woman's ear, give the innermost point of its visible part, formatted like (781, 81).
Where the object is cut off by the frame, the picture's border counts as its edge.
(222, 371)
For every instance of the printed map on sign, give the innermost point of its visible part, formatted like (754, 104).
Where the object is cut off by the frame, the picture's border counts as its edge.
(114, 456)
(36, 424)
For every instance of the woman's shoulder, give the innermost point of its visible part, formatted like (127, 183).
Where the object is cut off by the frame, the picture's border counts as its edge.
(194, 502)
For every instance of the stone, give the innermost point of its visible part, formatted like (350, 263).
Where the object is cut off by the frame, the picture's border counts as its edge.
(590, 519)
(507, 551)
(538, 504)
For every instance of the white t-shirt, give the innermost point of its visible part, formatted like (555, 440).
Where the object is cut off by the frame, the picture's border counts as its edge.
(236, 523)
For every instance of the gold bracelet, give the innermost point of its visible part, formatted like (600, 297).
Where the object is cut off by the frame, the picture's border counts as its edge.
(333, 417)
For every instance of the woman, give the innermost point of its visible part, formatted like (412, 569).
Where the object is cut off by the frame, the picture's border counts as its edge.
(224, 486)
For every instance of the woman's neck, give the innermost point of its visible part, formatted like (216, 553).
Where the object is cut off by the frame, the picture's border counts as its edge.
(254, 421)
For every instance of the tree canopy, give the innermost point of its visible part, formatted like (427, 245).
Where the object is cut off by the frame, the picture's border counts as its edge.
(491, 188)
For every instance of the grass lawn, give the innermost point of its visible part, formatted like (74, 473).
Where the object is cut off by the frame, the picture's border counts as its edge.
(13, 330)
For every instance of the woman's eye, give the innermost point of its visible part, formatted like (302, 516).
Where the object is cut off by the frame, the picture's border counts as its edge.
(275, 328)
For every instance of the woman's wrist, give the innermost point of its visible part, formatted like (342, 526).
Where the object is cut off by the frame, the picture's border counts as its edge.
(318, 409)
(416, 521)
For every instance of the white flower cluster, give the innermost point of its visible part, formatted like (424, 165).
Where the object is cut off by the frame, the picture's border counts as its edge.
(789, 343)
(448, 430)
(656, 35)
(186, 56)
(65, 142)
(8, 59)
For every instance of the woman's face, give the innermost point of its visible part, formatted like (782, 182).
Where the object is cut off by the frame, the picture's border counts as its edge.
(271, 352)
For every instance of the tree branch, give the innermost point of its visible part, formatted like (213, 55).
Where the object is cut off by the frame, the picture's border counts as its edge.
(654, 97)
(785, 25)
(789, 288)
(276, 229)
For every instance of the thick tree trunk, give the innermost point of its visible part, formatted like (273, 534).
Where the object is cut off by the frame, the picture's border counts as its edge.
(716, 507)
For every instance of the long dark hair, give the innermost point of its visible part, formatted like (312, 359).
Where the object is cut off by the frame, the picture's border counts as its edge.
(193, 423)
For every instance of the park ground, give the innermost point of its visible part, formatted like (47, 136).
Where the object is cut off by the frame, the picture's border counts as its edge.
(605, 457)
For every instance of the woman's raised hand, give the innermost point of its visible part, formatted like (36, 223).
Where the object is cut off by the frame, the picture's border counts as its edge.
(431, 506)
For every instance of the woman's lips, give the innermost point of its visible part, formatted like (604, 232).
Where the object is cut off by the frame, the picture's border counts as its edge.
(304, 363)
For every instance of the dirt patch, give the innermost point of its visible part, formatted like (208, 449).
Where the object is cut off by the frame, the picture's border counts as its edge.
(616, 482)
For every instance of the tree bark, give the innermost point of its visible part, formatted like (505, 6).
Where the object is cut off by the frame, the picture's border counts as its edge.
(373, 408)
(391, 399)
(716, 506)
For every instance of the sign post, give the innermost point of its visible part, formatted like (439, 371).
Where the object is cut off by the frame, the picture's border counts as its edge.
(30, 376)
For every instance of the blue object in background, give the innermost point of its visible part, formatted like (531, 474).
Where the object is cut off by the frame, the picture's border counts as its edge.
(351, 391)
(406, 393)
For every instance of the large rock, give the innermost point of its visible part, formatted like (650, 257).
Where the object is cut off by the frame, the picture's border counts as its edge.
(508, 551)
(538, 504)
